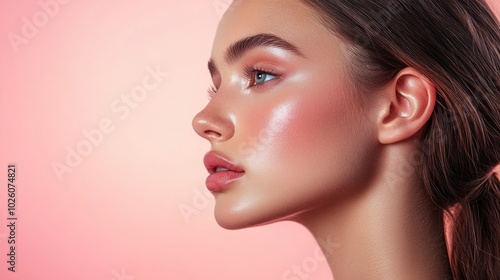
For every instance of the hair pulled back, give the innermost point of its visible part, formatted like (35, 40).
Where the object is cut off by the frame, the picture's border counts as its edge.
(456, 45)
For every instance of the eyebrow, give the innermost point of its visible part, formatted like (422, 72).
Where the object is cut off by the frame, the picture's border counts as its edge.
(238, 49)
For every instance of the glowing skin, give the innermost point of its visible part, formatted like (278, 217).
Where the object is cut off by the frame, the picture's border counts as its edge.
(292, 134)
(314, 150)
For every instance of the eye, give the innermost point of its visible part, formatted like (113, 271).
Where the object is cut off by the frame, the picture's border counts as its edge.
(260, 77)
(257, 77)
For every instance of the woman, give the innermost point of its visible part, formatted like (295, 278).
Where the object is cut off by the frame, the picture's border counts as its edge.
(364, 121)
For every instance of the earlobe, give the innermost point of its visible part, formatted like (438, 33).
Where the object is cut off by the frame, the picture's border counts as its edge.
(409, 104)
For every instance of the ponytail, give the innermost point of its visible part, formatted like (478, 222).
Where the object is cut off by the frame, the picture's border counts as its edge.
(475, 233)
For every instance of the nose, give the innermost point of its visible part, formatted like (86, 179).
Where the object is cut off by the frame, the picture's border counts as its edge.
(212, 125)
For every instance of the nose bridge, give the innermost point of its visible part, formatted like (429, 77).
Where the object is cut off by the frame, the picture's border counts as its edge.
(214, 122)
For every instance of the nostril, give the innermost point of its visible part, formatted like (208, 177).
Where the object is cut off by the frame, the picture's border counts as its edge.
(212, 134)
(211, 124)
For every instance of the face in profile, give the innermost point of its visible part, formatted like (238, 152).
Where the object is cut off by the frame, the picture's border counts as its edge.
(289, 135)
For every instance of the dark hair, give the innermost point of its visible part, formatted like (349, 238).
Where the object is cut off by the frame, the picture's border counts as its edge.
(456, 45)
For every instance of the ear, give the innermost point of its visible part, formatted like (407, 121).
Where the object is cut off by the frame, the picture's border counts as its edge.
(409, 102)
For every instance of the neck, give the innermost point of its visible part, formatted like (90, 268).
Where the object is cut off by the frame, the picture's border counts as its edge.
(390, 231)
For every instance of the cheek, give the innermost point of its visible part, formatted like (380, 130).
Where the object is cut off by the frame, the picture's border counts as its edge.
(306, 128)
(299, 151)
(318, 134)
(324, 138)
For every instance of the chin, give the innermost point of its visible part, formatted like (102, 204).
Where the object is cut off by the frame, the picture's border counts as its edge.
(233, 217)
(231, 224)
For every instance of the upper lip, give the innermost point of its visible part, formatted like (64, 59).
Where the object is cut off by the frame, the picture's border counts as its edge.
(212, 160)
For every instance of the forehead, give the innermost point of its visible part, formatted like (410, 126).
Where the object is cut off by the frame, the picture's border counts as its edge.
(292, 20)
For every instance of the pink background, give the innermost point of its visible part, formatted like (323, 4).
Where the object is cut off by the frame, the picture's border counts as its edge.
(117, 214)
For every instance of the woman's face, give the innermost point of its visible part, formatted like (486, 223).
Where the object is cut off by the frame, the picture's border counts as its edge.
(285, 112)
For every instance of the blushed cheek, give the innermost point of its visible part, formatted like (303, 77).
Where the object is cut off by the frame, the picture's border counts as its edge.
(268, 133)
(321, 124)
(318, 137)
(296, 149)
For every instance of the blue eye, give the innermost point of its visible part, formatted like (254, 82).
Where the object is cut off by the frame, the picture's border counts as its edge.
(257, 77)
(260, 77)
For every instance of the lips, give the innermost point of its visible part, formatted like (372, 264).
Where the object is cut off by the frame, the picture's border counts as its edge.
(222, 171)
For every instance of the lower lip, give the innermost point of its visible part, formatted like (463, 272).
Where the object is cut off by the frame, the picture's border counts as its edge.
(219, 181)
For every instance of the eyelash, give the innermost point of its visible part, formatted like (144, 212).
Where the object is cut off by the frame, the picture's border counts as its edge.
(211, 92)
(248, 71)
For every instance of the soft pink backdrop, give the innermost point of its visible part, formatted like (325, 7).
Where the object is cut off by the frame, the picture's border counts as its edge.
(117, 214)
